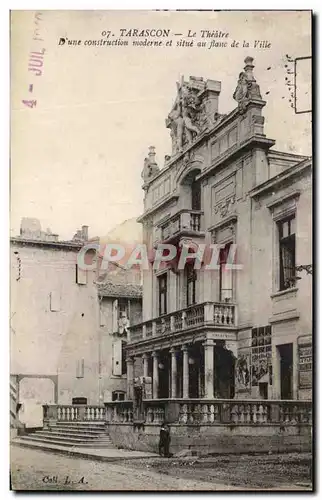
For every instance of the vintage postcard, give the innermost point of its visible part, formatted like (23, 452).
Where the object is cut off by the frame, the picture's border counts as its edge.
(161, 250)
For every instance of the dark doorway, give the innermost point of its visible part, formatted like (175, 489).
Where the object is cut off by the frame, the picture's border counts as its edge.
(79, 401)
(195, 195)
(164, 375)
(263, 390)
(224, 373)
(286, 370)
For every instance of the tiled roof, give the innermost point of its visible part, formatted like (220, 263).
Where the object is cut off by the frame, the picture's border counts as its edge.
(109, 289)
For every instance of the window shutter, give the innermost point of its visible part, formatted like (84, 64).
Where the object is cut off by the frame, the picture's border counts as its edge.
(117, 357)
(102, 317)
(54, 301)
(81, 276)
(115, 316)
(80, 368)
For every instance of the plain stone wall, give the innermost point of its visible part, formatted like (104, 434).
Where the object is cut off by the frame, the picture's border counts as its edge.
(221, 439)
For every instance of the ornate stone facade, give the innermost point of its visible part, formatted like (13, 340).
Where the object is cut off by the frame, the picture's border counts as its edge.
(224, 185)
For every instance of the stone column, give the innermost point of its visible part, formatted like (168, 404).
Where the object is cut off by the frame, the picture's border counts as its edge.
(129, 378)
(185, 372)
(145, 365)
(155, 387)
(209, 369)
(173, 373)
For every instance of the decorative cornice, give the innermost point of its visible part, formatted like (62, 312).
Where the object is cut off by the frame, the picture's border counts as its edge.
(157, 206)
(70, 245)
(283, 176)
(278, 201)
(253, 141)
(224, 222)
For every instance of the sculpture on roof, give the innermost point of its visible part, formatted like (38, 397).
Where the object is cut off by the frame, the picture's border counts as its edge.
(183, 117)
(150, 168)
(247, 88)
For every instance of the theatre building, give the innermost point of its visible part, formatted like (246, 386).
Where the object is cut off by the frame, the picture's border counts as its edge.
(242, 333)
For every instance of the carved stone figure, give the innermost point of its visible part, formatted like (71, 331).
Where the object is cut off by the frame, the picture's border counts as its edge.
(183, 117)
(243, 86)
(150, 168)
(247, 88)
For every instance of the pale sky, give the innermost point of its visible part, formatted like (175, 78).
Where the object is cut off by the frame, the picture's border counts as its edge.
(77, 157)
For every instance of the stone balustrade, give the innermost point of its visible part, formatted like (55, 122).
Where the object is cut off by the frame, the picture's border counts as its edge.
(215, 412)
(119, 412)
(188, 412)
(185, 220)
(207, 313)
(74, 413)
(245, 412)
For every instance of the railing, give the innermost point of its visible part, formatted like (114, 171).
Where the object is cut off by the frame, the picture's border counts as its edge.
(210, 313)
(185, 220)
(74, 413)
(120, 412)
(245, 412)
(215, 412)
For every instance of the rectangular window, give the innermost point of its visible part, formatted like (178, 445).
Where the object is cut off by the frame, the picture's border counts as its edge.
(191, 278)
(286, 233)
(163, 293)
(117, 357)
(80, 368)
(81, 276)
(225, 276)
(123, 358)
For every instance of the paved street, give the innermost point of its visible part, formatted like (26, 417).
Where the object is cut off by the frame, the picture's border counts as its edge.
(37, 470)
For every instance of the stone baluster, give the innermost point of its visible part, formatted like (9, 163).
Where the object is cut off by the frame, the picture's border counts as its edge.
(241, 413)
(149, 415)
(184, 320)
(212, 414)
(205, 414)
(248, 417)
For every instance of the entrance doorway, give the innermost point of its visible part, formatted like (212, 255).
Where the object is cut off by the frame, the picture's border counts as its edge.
(263, 390)
(286, 370)
(224, 373)
(195, 195)
(164, 374)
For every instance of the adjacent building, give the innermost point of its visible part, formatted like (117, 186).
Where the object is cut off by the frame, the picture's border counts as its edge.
(226, 333)
(68, 325)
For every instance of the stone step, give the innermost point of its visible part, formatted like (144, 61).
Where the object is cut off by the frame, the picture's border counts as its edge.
(73, 440)
(82, 425)
(33, 439)
(92, 432)
(95, 423)
(66, 433)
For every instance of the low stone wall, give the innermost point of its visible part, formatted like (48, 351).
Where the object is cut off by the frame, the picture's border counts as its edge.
(212, 439)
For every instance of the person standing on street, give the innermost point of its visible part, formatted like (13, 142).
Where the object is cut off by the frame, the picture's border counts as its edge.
(164, 442)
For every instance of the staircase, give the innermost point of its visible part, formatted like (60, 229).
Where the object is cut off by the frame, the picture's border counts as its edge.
(70, 434)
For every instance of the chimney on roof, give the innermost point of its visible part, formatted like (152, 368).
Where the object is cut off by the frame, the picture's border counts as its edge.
(85, 233)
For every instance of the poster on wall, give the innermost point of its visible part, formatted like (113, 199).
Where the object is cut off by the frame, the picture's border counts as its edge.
(261, 355)
(305, 366)
(242, 372)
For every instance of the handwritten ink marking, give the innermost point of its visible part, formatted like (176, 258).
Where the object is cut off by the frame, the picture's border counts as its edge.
(36, 58)
(65, 480)
(29, 104)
